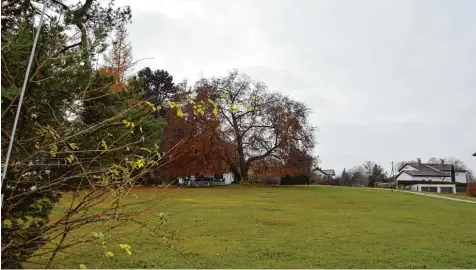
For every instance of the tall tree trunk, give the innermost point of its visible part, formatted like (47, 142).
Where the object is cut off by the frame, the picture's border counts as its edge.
(242, 161)
(241, 152)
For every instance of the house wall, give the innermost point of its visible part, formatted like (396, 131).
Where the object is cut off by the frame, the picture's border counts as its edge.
(404, 176)
(432, 179)
(460, 178)
(319, 173)
(407, 177)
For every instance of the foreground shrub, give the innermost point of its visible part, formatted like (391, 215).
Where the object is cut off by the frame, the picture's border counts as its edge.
(269, 180)
(471, 189)
(263, 180)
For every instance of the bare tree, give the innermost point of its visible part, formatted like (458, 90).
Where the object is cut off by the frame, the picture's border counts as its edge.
(261, 124)
(367, 168)
(358, 176)
(400, 164)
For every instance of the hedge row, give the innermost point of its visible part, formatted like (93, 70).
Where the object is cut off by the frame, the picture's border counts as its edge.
(408, 183)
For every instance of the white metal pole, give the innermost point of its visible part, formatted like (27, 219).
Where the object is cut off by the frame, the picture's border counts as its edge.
(22, 94)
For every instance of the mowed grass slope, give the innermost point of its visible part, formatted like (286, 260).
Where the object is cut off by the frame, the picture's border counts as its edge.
(295, 227)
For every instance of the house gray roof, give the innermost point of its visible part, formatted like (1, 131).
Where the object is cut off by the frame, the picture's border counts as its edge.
(330, 172)
(426, 169)
(446, 167)
(427, 173)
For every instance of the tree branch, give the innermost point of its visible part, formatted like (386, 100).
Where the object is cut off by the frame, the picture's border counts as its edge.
(63, 6)
(65, 49)
(255, 158)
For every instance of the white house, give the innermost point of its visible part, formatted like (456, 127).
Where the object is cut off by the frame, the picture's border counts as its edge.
(329, 174)
(425, 174)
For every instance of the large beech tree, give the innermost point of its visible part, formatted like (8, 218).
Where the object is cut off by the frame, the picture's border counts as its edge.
(260, 123)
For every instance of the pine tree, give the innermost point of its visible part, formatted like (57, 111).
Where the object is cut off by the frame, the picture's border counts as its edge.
(453, 177)
(345, 178)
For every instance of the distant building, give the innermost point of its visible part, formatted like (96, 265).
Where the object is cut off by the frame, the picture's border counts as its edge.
(324, 174)
(430, 172)
(419, 176)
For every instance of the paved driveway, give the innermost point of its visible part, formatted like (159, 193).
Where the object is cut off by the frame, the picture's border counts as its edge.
(438, 196)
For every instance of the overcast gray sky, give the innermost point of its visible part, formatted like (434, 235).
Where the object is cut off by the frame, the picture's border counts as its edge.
(386, 80)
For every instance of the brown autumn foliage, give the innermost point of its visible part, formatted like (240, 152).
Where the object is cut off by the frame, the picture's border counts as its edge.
(471, 189)
(200, 150)
(295, 163)
(116, 84)
(118, 61)
(264, 126)
(255, 130)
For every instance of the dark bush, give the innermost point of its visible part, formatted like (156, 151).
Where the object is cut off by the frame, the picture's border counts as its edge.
(409, 183)
(270, 180)
(263, 180)
(23, 222)
(301, 179)
(329, 181)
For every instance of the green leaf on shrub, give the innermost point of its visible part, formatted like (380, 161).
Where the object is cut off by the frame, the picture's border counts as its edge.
(73, 146)
(179, 112)
(127, 248)
(70, 158)
(7, 224)
(82, 266)
(103, 144)
(53, 150)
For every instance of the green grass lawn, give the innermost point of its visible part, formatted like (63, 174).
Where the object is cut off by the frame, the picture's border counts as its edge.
(294, 227)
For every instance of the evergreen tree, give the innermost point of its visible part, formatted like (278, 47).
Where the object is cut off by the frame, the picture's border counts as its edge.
(377, 175)
(453, 176)
(345, 178)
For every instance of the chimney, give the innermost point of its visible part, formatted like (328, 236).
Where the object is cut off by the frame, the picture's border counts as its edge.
(442, 162)
(419, 160)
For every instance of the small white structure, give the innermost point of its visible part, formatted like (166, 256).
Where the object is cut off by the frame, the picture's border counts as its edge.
(229, 178)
